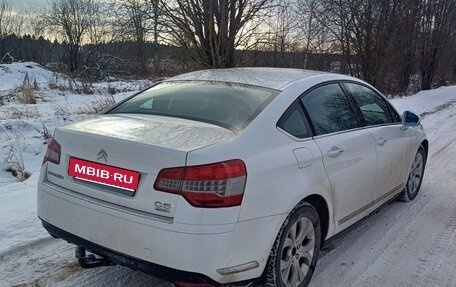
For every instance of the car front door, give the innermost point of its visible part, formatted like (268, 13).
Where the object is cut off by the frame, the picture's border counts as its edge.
(385, 125)
(348, 152)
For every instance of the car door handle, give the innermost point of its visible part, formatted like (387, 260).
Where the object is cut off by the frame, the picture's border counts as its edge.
(381, 141)
(335, 151)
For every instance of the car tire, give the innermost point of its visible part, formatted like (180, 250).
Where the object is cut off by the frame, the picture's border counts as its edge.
(295, 252)
(415, 176)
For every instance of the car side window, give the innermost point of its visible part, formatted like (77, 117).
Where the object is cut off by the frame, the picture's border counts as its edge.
(396, 117)
(374, 108)
(294, 122)
(329, 109)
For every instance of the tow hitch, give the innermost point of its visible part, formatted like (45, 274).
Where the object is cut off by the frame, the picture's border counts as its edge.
(90, 261)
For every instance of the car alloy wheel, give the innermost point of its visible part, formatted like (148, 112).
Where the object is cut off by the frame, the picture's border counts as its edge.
(295, 252)
(415, 177)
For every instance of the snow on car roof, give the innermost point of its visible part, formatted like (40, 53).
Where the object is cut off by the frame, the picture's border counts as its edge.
(273, 78)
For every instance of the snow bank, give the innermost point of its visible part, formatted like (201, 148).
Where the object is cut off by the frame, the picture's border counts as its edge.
(426, 101)
(12, 75)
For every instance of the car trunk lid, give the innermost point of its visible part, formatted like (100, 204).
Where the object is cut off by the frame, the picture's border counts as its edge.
(139, 144)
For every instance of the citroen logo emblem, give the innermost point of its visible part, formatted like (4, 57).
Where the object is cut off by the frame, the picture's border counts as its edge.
(102, 155)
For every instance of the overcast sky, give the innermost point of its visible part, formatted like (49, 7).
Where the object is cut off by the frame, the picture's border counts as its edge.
(27, 4)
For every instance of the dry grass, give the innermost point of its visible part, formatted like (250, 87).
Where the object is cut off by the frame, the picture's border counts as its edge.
(100, 104)
(16, 164)
(87, 88)
(112, 90)
(65, 84)
(70, 85)
(26, 93)
(22, 175)
(23, 113)
(97, 105)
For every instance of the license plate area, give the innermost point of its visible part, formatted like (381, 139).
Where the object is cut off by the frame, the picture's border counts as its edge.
(104, 175)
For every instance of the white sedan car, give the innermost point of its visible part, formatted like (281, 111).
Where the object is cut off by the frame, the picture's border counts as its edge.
(228, 176)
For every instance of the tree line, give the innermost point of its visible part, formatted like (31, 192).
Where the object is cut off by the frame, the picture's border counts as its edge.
(397, 45)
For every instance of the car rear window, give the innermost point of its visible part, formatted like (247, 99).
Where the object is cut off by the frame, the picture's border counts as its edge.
(228, 105)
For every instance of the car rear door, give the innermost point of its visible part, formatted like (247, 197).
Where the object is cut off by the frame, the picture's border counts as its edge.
(348, 152)
(385, 126)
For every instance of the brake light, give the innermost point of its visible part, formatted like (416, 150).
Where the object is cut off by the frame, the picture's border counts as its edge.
(53, 152)
(213, 185)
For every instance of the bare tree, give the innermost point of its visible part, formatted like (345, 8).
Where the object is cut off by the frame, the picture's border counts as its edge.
(138, 21)
(336, 17)
(5, 23)
(71, 19)
(437, 25)
(314, 36)
(100, 30)
(405, 45)
(155, 14)
(131, 21)
(282, 30)
(11, 22)
(210, 31)
(366, 33)
(5, 18)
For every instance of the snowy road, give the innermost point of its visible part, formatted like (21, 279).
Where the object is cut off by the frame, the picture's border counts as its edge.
(402, 244)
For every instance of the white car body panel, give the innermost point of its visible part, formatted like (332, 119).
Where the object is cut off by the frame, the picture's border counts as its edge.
(352, 193)
(296, 182)
(282, 170)
(165, 132)
(391, 146)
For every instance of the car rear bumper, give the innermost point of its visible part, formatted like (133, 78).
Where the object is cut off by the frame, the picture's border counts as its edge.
(125, 260)
(148, 245)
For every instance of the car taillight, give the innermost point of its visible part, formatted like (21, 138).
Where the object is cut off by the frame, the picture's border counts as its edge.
(212, 185)
(52, 152)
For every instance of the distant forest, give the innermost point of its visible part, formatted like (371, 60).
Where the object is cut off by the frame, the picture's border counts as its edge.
(399, 46)
(119, 59)
(115, 59)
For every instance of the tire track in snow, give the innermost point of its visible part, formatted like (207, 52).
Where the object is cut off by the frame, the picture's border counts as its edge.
(51, 262)
(440, 272)
(54, 278)
(41, 262)
(23, 249)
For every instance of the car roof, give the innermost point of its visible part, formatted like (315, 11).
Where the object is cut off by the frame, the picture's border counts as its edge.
(273, 78)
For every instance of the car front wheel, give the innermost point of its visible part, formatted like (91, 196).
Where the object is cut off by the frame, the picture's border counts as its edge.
(295, 253)
(415, 177)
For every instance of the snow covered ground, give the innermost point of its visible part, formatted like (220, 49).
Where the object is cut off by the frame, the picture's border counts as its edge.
(402, 244)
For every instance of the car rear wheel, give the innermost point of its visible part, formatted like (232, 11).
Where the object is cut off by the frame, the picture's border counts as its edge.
(295, 253)
(415, 177)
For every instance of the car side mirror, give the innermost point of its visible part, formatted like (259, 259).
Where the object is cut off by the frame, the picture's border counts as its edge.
(410, 119)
